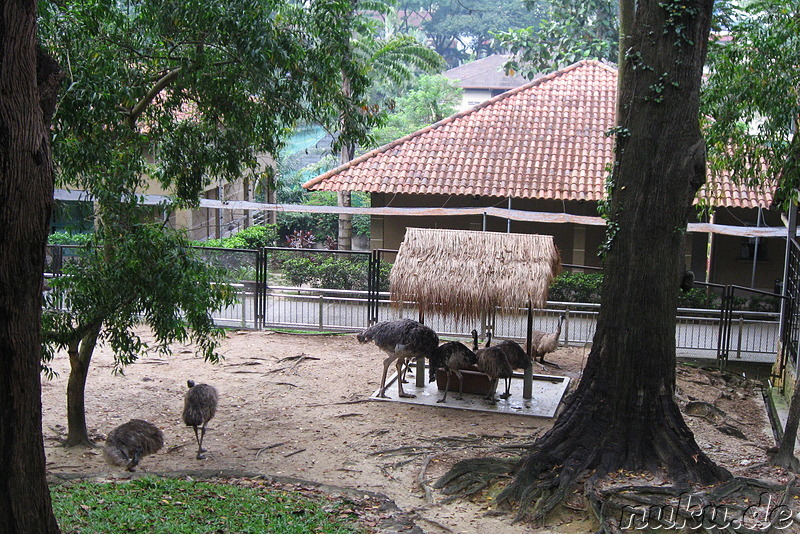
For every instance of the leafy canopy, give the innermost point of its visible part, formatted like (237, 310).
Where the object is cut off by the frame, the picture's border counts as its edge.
(570, 31)
(430, 100)
(188, 91)
(153, 276)
(752, 98)
(180, 93)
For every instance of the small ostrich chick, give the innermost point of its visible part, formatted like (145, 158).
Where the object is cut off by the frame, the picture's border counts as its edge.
(130, 442)
(199, 407)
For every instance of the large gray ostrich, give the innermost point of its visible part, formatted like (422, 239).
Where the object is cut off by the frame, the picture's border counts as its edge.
(544, 343)
(199, 407)
(130, 442)
(402, 340)
(493, 363)
(452, 356)
(516, 357)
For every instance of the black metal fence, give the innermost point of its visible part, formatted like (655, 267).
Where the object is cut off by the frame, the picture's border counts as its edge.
(790, 325)
(346, 291)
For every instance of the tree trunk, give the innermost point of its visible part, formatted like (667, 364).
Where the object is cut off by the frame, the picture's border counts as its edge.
(80, 357)
(28, 85)
(345, 237)
(785, 456)
(623, 414)
(790, 174)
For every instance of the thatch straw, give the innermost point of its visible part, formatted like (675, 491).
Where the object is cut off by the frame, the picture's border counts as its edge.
(467, 274)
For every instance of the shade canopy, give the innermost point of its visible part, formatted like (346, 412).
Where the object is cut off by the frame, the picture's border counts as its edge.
(467, 274)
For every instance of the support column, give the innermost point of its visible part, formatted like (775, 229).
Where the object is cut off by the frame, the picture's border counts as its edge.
(376, 240)
(579, 245)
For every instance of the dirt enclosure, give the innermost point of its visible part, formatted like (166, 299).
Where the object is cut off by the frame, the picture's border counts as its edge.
(297, 406)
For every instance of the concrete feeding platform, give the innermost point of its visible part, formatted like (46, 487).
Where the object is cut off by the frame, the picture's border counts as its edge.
(548, 390)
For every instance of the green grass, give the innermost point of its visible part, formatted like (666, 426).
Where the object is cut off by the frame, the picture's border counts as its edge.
(169, 506)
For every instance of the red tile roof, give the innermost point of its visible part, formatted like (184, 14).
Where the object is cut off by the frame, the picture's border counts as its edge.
(545, 140)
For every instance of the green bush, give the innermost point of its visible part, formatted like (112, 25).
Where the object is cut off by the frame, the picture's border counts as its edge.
(331, 272)
(68, 238)
(576, 287)
(361, 224)
(585, 287)
(251, 238)
(699, 298)
(299, 270)
(321, 225)
(254, 237)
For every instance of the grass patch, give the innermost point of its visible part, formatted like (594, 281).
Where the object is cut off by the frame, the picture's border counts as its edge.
(172, 506)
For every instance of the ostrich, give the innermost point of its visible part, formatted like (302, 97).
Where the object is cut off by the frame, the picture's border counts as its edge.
(452, 356)
(402, 340)
(199, 407)
(516, 357)
(131, 441)
(543, 343)
(493, 363)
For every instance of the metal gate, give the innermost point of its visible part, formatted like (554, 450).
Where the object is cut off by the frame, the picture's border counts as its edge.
(730, 294)
(290, 281)
(790, 315)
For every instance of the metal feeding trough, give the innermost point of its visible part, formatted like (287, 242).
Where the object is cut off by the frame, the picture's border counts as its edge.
(474, 381)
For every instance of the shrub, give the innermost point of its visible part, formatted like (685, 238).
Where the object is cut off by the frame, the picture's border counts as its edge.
(331, 272)
(585, 287)
(320, 224)
(68, 238)
(251, 238)
(254, 237)
(699, 298)
(576, 287)
(299, 270)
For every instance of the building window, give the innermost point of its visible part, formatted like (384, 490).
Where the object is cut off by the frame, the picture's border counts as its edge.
(748, 249)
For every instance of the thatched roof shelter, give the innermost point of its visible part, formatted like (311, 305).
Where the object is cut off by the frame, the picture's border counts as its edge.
(466, 274)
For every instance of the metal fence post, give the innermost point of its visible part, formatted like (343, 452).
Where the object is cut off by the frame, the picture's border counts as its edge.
(739, 342)
(321, 302)
(566, 327)
(244, 307)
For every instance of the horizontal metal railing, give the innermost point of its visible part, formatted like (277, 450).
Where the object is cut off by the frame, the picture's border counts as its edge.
(346, 311)
(753, 334)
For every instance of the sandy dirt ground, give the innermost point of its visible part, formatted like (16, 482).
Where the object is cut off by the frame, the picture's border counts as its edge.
(311, 418)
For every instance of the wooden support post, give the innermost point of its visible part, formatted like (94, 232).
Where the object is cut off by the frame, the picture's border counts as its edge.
(527, 380)
(420, 378)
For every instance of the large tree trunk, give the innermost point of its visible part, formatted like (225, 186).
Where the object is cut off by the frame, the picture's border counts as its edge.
(80, 358)
(623, 414)
(28, 86)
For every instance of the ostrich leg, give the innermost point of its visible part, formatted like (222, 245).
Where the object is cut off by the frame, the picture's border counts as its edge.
(386, 363)
(446, 388)
(400, 392)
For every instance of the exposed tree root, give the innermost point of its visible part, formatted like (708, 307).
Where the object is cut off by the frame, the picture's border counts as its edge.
(736, 506)
(787, 461)
(468, 477)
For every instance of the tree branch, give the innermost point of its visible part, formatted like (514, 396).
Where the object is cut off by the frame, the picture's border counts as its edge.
(159, 86)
